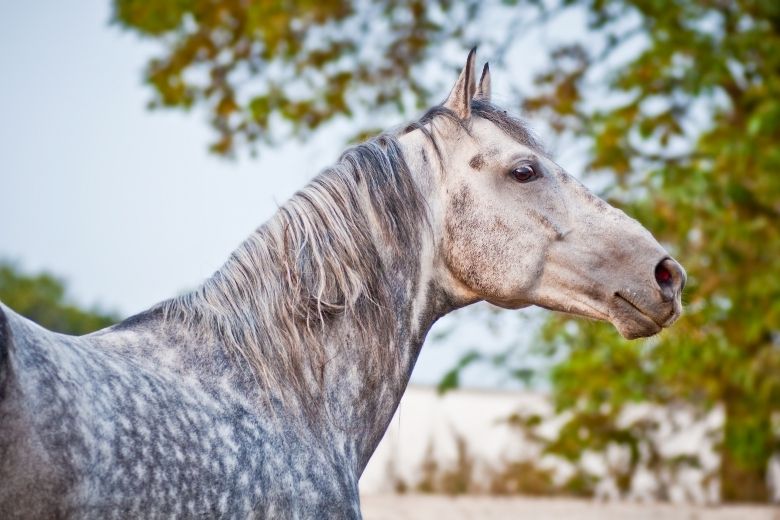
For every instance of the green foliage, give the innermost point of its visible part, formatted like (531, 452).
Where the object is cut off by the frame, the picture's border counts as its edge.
(451, 379)
(42, 298)
(259, 65)
(694, 150)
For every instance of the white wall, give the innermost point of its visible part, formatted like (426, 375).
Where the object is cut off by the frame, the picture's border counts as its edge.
(426, 420)
(426, 425)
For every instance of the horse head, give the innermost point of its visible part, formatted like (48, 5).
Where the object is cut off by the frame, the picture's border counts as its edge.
(513, 228)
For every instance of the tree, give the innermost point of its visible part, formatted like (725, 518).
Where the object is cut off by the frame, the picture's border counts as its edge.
(678, 102)
(42, 298)
(694, 151)
(262, 66)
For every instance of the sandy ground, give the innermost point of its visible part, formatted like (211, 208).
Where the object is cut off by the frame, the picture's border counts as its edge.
(438, 507)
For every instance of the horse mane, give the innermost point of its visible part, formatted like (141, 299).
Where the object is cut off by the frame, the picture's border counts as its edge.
(316, 260)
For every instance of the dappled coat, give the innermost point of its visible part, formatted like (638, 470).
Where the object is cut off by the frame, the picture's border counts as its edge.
(264, 392)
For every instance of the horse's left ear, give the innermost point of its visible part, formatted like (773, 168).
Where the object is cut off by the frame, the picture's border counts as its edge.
(459, 100)
(483, 90)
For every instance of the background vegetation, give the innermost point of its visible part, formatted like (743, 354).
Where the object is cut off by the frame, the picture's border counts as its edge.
(42, 298)
(677, 105)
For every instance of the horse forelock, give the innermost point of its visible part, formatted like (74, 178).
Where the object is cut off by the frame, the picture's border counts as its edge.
(512, 126)
(319, 259)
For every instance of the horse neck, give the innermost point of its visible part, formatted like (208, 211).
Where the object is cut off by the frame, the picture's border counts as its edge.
(359, 409)
(356, 375)
(360, 404)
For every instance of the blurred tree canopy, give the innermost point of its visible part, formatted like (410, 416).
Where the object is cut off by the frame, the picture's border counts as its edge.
(42, 298)
(691, 139)
(679, 104)
(302, 62)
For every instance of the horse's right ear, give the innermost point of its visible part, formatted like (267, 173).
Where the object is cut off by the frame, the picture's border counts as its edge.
(459, 100)
(483, 90)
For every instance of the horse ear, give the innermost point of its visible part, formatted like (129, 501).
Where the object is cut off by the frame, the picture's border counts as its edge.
(459, 100)
(483, 90)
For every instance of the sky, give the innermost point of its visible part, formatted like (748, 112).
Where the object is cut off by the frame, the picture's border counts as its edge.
(126, 205)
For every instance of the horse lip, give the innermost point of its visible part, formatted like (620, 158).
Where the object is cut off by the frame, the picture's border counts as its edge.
(595, 313)
(639, 310)
(673, 316)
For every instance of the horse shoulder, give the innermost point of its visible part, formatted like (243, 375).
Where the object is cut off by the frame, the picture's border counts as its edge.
(99, 429)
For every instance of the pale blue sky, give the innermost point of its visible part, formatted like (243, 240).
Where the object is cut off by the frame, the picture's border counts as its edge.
(126, 204)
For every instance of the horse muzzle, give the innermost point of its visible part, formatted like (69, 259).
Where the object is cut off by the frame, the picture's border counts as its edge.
(645, 312)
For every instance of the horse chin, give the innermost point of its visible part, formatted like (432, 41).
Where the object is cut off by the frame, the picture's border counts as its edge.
(631, 322)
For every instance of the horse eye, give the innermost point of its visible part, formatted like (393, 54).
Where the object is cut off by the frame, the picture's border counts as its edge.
(523, 173)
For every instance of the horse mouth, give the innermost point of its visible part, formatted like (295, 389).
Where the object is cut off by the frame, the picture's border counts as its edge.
(631, 320)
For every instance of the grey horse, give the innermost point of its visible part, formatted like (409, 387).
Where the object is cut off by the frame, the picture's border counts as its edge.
(263, 393)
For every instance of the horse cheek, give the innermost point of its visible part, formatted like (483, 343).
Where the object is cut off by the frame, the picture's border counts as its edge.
(486, 253)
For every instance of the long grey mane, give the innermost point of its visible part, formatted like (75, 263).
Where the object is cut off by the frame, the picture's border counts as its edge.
(317, 260)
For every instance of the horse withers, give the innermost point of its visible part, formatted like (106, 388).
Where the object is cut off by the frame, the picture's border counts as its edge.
(264, 392)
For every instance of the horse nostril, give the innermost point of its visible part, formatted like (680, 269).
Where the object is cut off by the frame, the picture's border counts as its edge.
(670, 277)
(662, 275)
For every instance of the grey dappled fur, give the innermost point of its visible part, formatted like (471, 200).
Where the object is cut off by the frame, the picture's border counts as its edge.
(262, 394)
(314, 262)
